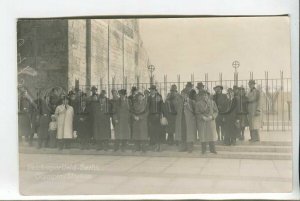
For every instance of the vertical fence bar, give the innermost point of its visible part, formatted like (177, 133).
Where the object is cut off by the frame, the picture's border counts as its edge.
(178, 82)
(282, 100)
(266, 100)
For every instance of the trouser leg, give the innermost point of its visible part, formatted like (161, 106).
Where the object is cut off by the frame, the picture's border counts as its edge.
(116, 145)
(60, 144)
(143, 146)
(105, 145)
(123, 145)
(203, 147)
(256, 135)
(190, 147)
(212, 147)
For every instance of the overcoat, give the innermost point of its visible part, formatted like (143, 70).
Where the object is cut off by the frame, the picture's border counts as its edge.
(242, 110)
(190, 120)
(206, 107)
(170, 112)
(121, 118)
(254, 110)
(140, 126)
(101, 119)
(230, 117)
(83, 124)
(155, 129)
(44, 119)
(24, 117)
(64, 116)
(180, 123)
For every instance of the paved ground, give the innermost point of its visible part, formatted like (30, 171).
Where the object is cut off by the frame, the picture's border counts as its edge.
(48, 174)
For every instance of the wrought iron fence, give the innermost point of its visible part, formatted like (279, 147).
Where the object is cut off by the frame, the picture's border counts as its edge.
(276, 95)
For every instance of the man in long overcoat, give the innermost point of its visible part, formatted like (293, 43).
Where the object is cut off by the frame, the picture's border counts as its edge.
(206, 113)
(101, 121)
(254, 111)
(171, 113)
(155, 103)
(121, 119)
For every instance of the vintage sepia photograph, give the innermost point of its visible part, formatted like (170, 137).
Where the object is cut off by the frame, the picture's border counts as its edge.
(146, 105)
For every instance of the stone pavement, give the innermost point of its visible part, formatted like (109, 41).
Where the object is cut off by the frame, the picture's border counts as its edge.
(49, 174)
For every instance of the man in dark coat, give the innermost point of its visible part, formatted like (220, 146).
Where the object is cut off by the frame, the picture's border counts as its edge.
(101, 121)
(44, 118)
(156, 132)
(170, 111)
(131, 100)
(221, 102)
(24, 116)
(82, 125)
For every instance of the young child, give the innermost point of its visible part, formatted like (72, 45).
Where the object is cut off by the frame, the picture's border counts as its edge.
(52, 132)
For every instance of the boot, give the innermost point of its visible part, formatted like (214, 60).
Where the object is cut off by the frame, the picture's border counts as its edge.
(99, 146)
(256, 137)
(182, 147)
(60, 144)
(123, 145)
(143, 147)
(157, 147)
(137, 146)
(212, 147)
(190, 147)
(203, 147)
(105, 145)
(116, 145)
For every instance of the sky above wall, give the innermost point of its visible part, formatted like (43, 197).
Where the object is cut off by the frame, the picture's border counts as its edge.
(210, 45)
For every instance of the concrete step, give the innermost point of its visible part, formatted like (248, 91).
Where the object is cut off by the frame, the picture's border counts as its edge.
(265, 143)
(170, 152)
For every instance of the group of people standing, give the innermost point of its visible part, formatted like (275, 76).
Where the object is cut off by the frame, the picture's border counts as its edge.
(144, 118)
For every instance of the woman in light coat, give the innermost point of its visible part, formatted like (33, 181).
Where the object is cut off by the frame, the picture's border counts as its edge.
(64, 114)
(206, 112)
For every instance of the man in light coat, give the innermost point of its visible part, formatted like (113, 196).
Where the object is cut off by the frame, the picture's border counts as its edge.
(254, 111)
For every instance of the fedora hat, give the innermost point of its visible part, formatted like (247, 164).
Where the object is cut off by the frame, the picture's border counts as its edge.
(153, 87)
(218, 86)
(251, 82)
(199, 85)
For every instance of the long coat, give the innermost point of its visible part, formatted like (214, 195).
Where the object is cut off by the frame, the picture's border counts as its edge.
(44, 119)
(64, 115)
(230, 117)
(83, 124)
(206, 107)
(190, 120)
(101, 119)
(180, 125)
(140, 126)
(25, 116)
(121, 119)
(170, 112)
(254, 110)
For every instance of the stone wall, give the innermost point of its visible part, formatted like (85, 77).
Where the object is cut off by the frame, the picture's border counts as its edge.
(63, 51)
(77, 52)
(45, 49)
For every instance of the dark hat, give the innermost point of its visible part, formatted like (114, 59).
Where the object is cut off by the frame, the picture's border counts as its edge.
(103, 92)
(113, 90)
(173, 87)
(218, 86)
(133, 89)
(251, 82)
(122, 92)
(199, 85)
(71, 93)
(94, 88)
(189, 84)
(229, 89)
(152, 87)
